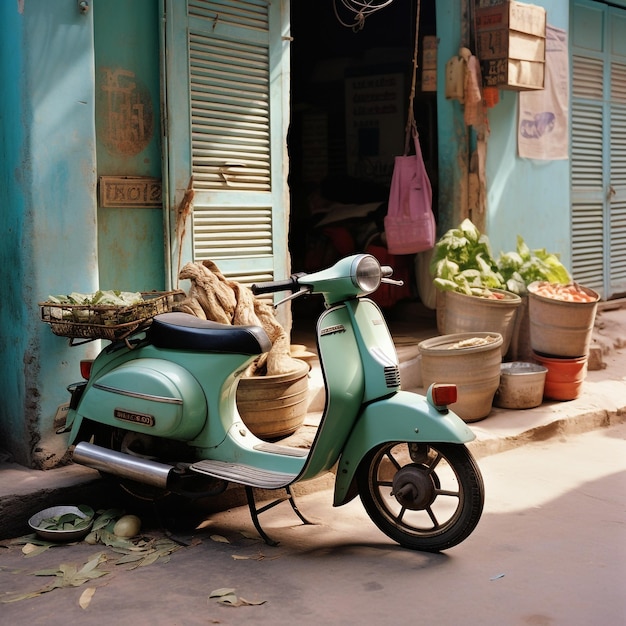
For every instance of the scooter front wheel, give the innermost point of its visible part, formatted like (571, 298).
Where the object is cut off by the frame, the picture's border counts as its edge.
(427, 497)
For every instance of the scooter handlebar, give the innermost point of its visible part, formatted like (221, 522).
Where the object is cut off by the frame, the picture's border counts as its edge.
(289, 284)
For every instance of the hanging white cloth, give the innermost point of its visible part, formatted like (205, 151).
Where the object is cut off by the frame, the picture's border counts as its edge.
(543, 114)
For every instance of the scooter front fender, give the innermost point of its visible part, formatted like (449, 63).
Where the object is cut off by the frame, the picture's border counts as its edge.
(403, 417)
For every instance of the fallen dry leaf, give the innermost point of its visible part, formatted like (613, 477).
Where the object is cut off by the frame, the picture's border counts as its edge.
(30, 549)
(250, 535)
(257, 557)
(244, 602)
(230, 599)
(222, 591)
(67, 575)
(227, 596)
(85, 597)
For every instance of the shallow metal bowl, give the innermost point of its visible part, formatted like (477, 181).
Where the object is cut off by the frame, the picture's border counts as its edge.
(48, 534)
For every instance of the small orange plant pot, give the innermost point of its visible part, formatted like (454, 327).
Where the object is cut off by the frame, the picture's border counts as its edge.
(565, 377)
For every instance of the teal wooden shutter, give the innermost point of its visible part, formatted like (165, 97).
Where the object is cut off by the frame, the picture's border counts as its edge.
(599, 147)
(617, 144)
(226, 91)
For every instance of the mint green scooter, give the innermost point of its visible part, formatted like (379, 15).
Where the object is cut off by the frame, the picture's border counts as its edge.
(158, 412)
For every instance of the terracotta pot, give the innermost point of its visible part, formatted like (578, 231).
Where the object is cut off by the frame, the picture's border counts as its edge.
(474, 369)
(565, 377)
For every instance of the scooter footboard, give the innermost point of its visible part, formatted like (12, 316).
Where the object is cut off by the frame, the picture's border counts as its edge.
(403, 417)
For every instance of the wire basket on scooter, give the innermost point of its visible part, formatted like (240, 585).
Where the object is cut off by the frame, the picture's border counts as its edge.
(112, 322)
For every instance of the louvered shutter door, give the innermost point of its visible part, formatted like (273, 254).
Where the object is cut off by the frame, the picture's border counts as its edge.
(599, 148)
(227, 117)
(587, 172)
(617, 191)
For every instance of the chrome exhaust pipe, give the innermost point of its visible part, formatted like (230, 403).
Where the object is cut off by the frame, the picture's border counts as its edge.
(123, 465)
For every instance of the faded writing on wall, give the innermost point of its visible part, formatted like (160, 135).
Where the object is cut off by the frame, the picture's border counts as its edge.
(127, 122)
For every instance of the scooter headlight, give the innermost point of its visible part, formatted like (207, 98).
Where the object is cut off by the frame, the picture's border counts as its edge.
(366, 274)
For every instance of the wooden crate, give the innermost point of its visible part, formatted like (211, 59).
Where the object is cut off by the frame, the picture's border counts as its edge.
(511, 45)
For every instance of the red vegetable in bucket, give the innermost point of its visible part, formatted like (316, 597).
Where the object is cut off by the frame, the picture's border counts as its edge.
(571, 292)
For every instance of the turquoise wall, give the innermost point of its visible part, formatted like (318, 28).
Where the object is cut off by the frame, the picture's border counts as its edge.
(48, 210)
(14, 315)
(130, 239)
(526, 197)
(60, 132)
(453, 134)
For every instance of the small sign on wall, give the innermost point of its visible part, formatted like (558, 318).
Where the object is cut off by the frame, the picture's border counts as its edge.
(130, 191)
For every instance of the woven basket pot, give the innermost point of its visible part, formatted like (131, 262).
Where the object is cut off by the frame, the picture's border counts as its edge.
(474, 369)
(273, 407)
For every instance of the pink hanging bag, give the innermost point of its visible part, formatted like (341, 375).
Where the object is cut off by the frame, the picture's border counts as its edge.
(410, 223)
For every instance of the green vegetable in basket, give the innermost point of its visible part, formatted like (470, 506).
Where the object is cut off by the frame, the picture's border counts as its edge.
(110, 297)
(117, 298)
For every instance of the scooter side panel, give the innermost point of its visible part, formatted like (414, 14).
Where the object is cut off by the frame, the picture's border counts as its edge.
(147, 395)
(378, 351)
(403, 417)
(345, 383)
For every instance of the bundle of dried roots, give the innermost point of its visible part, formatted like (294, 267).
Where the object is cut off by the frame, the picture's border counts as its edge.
(213, 297)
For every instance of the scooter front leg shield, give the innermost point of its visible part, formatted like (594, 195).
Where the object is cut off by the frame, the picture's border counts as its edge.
(403, 417)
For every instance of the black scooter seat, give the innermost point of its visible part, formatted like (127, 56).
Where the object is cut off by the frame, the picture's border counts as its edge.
(182, 331)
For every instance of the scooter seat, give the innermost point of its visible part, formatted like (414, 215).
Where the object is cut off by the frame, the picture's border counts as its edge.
(182, 331)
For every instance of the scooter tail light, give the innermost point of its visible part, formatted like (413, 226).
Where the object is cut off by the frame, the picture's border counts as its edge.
(443, 394)
(85, 368)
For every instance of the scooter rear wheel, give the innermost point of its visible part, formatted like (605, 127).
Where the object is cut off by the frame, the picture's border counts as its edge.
(427, 497)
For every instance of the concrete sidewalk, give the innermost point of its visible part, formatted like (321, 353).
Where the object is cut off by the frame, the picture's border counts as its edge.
(602, 402)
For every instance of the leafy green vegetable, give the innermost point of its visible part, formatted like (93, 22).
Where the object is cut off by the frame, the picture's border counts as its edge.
(111, 297)
(67, 521)
(463, 261)
(526, 266)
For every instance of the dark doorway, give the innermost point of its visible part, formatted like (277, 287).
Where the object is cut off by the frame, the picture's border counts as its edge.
(349, 99)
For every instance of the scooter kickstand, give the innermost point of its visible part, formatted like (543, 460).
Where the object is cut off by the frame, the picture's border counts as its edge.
(294, 506)
(254, 512)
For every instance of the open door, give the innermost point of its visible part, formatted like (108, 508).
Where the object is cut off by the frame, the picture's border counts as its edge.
(226, 91)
